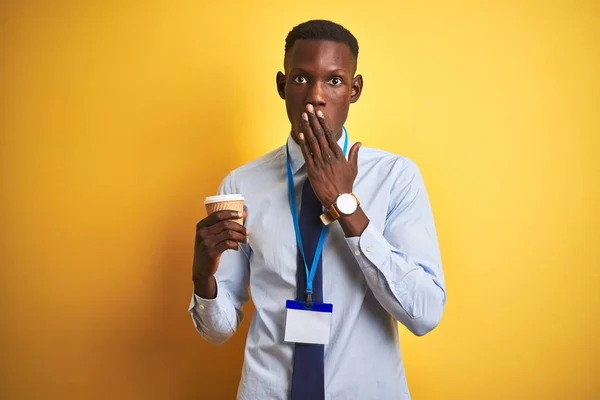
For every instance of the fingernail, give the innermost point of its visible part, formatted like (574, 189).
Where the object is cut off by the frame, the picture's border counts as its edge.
(239, 214)
(320, 114)
(305, 116)
(301, 136)
(310, 108)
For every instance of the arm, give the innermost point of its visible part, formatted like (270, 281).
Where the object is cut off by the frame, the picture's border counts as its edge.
(402, 264)
(216, 304)
(217, 319)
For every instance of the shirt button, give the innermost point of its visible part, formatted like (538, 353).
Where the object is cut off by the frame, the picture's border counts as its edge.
(368, 249)
(357, 252)
(201, 307)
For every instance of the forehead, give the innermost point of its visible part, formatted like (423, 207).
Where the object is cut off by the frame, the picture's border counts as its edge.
(312, 55)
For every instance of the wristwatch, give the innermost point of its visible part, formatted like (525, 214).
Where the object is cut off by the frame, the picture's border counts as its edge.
(345, 204)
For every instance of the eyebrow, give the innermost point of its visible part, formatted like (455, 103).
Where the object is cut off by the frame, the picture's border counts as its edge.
(304, 71)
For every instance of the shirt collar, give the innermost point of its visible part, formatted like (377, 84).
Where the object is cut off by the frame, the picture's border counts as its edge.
(296, 153)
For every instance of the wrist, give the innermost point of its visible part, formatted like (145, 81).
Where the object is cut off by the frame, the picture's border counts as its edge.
(345, 205)
(355, 224)
(205, 287)
(330, 199)
(201, 277)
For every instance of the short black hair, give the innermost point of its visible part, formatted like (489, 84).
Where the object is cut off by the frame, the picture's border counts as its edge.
(320, 29)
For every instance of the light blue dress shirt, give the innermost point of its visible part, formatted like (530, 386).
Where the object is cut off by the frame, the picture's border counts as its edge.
(391, 273)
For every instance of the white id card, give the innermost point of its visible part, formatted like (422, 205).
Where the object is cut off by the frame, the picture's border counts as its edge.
(307, 325)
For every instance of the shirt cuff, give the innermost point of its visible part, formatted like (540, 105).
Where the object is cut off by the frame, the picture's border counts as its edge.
(374, 255)
(372, 248)
(205, 306)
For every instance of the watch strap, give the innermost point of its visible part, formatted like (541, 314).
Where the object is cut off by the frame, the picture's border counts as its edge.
(333, 214)
(330, 215)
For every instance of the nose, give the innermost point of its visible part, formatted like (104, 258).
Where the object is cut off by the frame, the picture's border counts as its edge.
(316, 95)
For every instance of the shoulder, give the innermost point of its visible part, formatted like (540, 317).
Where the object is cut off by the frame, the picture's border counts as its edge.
(259, 168)
(398, 174)
(260, 165)
(390, 163)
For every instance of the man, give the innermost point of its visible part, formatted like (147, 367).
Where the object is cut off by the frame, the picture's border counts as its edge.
(380, 260)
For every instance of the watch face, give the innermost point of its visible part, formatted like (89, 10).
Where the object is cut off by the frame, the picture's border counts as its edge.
(346, 203)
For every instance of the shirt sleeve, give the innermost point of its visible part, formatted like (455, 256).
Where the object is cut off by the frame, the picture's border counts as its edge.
(218, 319)
(402, 264)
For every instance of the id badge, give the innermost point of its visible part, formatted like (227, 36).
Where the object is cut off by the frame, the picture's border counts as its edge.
(307, 325)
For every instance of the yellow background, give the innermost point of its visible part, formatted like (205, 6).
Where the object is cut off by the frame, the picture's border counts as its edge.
(119, 117)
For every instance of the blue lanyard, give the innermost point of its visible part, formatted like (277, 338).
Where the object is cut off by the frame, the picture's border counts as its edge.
(310, 274)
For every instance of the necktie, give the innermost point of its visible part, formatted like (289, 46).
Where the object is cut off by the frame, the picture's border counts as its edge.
(308, 377)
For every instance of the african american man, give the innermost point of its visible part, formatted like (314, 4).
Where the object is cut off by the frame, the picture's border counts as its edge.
(338, 245)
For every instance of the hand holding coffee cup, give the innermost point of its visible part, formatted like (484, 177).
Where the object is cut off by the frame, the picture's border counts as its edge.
(221, 230)
(233, 202)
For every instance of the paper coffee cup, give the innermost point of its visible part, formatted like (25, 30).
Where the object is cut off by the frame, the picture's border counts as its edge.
(233, 202)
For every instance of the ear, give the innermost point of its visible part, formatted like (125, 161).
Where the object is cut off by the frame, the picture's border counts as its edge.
(357, 85)
(281, 84)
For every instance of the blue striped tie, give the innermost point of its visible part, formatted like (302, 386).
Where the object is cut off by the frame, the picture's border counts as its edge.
(308, 378)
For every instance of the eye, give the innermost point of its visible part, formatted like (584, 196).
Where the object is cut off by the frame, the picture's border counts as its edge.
(300, 79)
(336, 81)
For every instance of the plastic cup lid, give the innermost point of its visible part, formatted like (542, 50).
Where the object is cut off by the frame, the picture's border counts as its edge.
(224, 197)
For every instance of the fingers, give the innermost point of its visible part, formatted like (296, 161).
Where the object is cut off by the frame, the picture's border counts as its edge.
(223, 223)
(353, 157)
(215, 234)
(214, 241)
(219, 216)
(319, 132)
(226, 245)
(329, 135)
(214, 250)
(306, 153)
(227, 225)
(310, 140)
